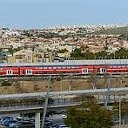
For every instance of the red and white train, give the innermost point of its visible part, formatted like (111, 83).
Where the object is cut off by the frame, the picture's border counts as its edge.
(76, 67)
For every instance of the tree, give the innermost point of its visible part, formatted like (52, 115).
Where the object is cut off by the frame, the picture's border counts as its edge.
(121, 53)
(101, 54)
(92, 80)
(89, 115)
(63, 50)
(6, 83)
(89, 56)
(76, 53)
(123, 37)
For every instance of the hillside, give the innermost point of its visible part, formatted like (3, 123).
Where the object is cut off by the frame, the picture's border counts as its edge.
(113, 31)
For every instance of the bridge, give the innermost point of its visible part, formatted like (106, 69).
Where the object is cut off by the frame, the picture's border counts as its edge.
(123, 90)
(59, 100)
(37, 106)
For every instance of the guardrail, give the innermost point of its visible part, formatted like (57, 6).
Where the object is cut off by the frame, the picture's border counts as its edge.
(37, 105)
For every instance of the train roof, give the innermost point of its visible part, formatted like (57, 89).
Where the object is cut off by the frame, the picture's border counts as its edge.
(73, 62)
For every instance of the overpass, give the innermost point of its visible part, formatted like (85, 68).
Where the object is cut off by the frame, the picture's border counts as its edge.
(36, 106)
(60, 102)
(64, 93)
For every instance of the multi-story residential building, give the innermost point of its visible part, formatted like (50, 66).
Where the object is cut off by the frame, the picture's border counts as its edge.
(29, 56)
(64, 55)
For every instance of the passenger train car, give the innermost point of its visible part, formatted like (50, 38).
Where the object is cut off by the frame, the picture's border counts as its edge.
(74, 67)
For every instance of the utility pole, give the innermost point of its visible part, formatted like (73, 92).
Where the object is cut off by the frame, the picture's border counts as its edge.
(69, 88)
(94, 81)
(120, 112)
(108, 90)
(61, 86)
(94, 78)
(46, 101)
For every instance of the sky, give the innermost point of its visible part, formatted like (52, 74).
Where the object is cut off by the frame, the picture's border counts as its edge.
(48, 13)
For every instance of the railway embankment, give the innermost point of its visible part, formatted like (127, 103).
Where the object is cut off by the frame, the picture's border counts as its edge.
(10, 87)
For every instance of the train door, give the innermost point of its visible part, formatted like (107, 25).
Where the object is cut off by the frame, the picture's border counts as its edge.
(85, 70)
(102, 70)
(28, 72)
(9, 72)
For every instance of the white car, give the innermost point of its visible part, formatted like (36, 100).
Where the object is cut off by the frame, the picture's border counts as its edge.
(62, 126)
(64, 116)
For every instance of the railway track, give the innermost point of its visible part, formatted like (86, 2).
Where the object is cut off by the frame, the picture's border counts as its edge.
(59, 77)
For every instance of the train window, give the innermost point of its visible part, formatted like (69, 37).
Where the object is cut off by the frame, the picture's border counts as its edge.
(9, 72)
(102, 70)
(85, 70)
(28, 72)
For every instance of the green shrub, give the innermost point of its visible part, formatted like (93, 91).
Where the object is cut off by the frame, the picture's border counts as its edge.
(6, 83)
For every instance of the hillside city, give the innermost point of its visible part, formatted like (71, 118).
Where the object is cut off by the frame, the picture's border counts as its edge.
(37, 91)
(58, 43)
(63, 63)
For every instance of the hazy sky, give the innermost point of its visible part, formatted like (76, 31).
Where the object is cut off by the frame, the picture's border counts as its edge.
(43, 13)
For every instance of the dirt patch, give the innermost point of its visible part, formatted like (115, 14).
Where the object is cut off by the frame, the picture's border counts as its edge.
(62, 85)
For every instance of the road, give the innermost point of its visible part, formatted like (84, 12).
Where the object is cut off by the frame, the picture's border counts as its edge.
(123, 90)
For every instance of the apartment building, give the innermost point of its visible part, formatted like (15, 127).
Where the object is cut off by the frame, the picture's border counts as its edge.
(29, 56)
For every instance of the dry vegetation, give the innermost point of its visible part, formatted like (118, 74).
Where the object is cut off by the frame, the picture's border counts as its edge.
(72, 84)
